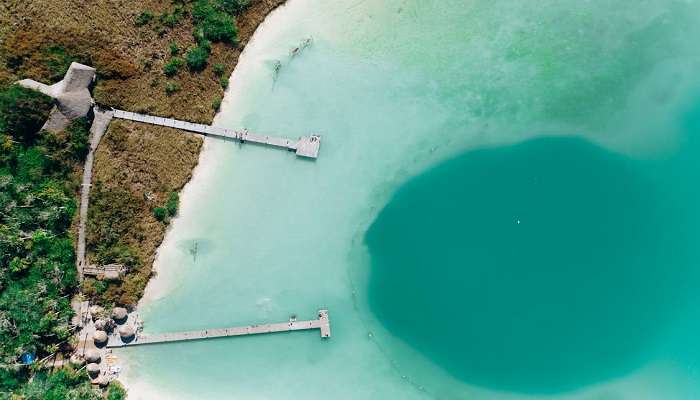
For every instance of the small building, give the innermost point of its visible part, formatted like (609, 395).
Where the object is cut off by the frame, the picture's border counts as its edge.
(72, 95)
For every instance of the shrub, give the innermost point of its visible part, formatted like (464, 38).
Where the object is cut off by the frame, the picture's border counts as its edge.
(205, 44)
(234, 7)
(63, 150)
(216, 103)
(201, 10)
(219, 69)
(224, 82)
(144, 18)
(161, 214)
(172, 203)
(116, 391)
(213, 21)
(172, 66)
(172, 87)
(197, 58)
(174, 49)
(219, 27)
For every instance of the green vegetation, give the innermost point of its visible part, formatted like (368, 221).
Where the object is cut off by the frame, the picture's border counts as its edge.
(109, 216)
(216, 103)
(63, 384)
(38, 190)
(223, 82)
(144, 18)
(57, 60)
(197, 58)
(214, 25)
(214, 22)
(116, 391)
(172, 66)
(171, 205)
(172, 19)
(234, 7)
(214, 19)
(163, 214)
(219, 69)
(172, 87)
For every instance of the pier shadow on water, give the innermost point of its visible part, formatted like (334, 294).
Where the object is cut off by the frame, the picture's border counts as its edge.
(536, 268)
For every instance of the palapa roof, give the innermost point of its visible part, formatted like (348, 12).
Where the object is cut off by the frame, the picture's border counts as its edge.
(126, 331)
(99, 336)
(119, 313)
(92, 356)
(93, 368)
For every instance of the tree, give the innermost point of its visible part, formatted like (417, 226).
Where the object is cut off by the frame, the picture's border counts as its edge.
(172, 66)
(219, 27)
(23, 112)
(197, 58)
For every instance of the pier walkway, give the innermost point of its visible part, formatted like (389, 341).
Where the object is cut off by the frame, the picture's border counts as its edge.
(322, 323)
(304, 147)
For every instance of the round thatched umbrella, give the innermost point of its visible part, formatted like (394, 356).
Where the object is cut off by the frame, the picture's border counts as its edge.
(119, 314)
(93, 369)
(99, 337)
(126, 332)
(92, 356)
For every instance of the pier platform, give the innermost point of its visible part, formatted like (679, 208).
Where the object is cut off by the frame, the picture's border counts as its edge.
(322, 324)
(307, 147)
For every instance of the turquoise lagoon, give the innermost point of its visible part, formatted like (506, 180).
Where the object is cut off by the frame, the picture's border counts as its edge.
(505, 207)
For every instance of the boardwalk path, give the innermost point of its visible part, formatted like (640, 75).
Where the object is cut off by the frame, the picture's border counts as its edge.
(322, 323)
(305, 147)
(97, 130)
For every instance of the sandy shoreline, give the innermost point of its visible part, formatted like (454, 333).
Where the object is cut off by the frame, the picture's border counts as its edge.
(158, 286)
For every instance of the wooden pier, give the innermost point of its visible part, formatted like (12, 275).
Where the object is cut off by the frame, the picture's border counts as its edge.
(322, 324)
(304, 147)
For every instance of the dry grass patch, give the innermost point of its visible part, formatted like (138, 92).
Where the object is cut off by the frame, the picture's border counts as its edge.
(137, 167)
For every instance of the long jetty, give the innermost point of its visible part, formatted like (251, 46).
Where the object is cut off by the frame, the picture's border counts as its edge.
(322, 324)
(304, 147)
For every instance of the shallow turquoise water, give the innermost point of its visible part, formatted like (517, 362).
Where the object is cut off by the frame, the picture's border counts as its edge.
(396, 88)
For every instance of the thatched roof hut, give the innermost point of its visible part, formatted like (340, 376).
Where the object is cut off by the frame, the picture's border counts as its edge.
(99, 337)
(126, 331)
(93, 369)
(92, 356)
(119, 314)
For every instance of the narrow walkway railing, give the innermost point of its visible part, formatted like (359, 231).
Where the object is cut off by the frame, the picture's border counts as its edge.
(322, 323)
(304, 147)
